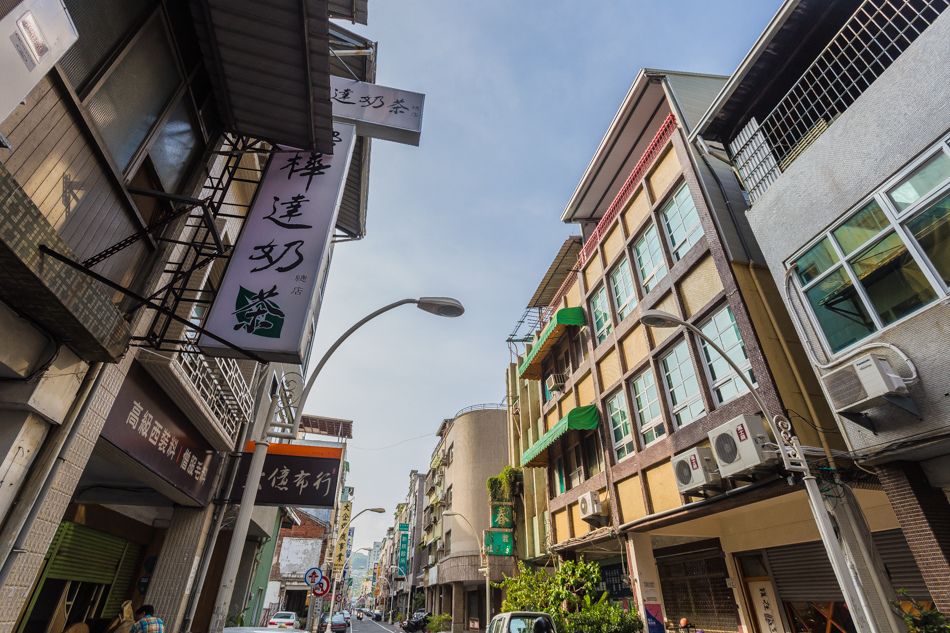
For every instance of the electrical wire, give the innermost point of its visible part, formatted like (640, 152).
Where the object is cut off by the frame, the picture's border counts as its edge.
(382, 448)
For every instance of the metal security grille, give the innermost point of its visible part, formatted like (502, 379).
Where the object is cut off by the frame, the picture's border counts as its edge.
(870, 41)
(694, 587)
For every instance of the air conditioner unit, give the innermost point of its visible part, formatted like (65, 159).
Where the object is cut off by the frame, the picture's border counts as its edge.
(590, 507)
(695, 469)
(863, 384)
(555, 382)
(739, 445)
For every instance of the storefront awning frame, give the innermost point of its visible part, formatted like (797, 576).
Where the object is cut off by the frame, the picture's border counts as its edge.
(578, 419)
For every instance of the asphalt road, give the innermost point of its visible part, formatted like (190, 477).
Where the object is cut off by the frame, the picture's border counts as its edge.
(368, 626)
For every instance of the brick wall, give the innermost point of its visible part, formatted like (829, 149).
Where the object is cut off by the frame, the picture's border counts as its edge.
(308, 528)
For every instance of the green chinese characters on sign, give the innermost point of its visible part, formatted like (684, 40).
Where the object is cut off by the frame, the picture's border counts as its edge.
(499, 543)
(257, 313)
(502, 516)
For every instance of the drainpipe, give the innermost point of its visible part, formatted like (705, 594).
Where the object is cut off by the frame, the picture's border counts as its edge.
(788, 355)
(32, 498)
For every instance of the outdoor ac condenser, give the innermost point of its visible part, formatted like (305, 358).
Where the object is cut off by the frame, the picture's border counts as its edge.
(739, 446)
(863, 384)
(590, 506)
(695, 469)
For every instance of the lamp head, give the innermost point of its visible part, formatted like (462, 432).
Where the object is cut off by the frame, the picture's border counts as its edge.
(450, 513)
(441, 306)
(376, 510)
(658, 318)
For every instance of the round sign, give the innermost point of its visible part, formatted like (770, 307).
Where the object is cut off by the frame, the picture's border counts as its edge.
(313, 576)
(322, 587)
(338, 597)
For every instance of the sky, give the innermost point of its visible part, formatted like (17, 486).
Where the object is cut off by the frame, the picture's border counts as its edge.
(519, 94)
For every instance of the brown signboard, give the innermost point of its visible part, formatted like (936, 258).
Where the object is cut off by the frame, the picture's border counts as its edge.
(294, 475)
(147, 426)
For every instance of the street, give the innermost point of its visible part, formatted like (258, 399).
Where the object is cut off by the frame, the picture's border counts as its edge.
(368, 626)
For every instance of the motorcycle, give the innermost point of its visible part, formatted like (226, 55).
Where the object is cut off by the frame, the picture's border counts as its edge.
(359, 616)
(416, 624)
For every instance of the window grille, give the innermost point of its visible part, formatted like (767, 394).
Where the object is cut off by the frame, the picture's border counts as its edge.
(868, 43)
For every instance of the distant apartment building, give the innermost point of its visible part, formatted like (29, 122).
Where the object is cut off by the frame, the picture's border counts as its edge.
(836, 122)
(642, 449)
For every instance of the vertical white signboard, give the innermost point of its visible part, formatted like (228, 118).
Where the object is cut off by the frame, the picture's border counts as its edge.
(377, 111)
(269, 291)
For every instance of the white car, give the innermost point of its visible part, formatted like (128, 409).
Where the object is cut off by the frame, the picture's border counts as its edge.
(286, 619)
(519, 622)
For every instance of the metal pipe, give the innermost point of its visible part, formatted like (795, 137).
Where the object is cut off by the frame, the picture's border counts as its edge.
(20, 520)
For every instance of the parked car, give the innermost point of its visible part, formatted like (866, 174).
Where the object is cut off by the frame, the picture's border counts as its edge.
(346, 616)
(377, 615)
(286, 619)
(337, 626)
(518, 622)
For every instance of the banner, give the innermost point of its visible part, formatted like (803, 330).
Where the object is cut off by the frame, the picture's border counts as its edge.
(377, 111)
(403, 553)
(339, 557)
(271, 287)
(294, 475)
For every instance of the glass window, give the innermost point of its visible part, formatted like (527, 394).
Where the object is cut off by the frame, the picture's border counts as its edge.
(625, 297)
(175, 147)
(724, 332)
(682, 223)
(579, 342)
(650, 259)
(840, 311)
(894, 282)
(575, 467)
(931, 229)
(867, 223)
(601, 311)
(128, 103)
(592, 454)
(559, 475)
(620, 426)
(649, 413)
(685, 397)
(921, 181)
(820, 258)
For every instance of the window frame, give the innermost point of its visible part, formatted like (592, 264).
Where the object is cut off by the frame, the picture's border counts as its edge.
(601, 334)
(628, 438)
(631, 300)
(675, 408)
(659, 272)
(897, 221)
(707, 351)
(678, 251)
(657, 422)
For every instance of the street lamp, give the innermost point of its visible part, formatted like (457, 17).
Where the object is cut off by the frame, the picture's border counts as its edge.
(441, 306)
(791, 451)
(482, 554)
(343, 529)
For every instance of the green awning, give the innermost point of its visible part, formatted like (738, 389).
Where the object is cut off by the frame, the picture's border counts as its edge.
(550, 335)
(578, 419)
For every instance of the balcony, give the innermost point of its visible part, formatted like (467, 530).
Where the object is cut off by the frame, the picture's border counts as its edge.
(868, 43)
(212, 392)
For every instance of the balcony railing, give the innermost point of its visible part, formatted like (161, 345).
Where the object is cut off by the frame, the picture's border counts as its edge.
(221, 385)
(869, 42)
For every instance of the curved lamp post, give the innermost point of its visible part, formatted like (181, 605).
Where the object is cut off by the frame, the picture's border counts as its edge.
(485, 555)
(440, 306)
(335, 576)
(790, 450)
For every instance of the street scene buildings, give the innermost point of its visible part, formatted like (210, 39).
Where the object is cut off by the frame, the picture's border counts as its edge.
(728, 390)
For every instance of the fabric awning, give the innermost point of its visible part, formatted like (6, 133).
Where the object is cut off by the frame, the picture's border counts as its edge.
(552, 333)
(578, 419)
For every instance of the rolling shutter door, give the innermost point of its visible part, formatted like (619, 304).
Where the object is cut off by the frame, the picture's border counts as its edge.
(900, 563)
(802, 573)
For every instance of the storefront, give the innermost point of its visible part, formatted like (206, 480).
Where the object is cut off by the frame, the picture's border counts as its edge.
(148, 460)
(696, 586)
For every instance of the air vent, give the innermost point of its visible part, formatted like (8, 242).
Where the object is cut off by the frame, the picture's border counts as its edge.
(696, 469)
(844, 387)
(865, 383)
(739, 445)
(683, 473)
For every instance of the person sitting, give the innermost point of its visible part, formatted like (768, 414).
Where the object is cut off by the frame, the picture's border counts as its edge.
(146, 621)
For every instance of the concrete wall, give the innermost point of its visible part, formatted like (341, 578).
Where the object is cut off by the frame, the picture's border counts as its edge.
(903, 113)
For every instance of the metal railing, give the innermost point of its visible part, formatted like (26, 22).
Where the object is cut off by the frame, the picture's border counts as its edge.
(221, 385)
(869, 42)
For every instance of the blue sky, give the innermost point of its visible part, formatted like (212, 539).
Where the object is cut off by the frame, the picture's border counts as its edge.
(518, 95)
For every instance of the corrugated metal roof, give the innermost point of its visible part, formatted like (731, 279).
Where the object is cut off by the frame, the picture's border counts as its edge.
(269, 65)
(564, 264)
(327, 426)
(352, 10)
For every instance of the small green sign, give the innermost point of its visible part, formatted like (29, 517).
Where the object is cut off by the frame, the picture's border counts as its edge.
(502, 516)
(499, 543)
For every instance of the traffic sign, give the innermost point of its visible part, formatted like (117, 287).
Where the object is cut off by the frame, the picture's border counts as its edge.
(313, 576)
(338, 597)
(322, 587)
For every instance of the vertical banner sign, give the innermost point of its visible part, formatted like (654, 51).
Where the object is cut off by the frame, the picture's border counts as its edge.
(403, 550)
(339, 557)
(375, 573)
(269, 292)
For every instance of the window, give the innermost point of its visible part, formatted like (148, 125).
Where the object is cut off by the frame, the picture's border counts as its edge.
(601, 311)
(649, 413)
(620, 426)
(595, 462)
(685, 397)
(885, 261)
(682, 223)
(625, 297)
(450, 454)
(650, 259)
(448, 498)
(579, 343)
(724, 332)
(575, 467)
(559, 476)
(448, 542)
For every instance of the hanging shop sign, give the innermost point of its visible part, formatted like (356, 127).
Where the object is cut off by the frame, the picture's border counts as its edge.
(499, 543)
(502, 516)
(403, 553)
(339, 556)
(148, 427)
(377, 111)
(294, 475)
(614, 578)
(271, 288)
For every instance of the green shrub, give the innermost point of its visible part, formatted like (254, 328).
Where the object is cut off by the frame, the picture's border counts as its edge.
(920, 619)
(602, 617)
(441, 622)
